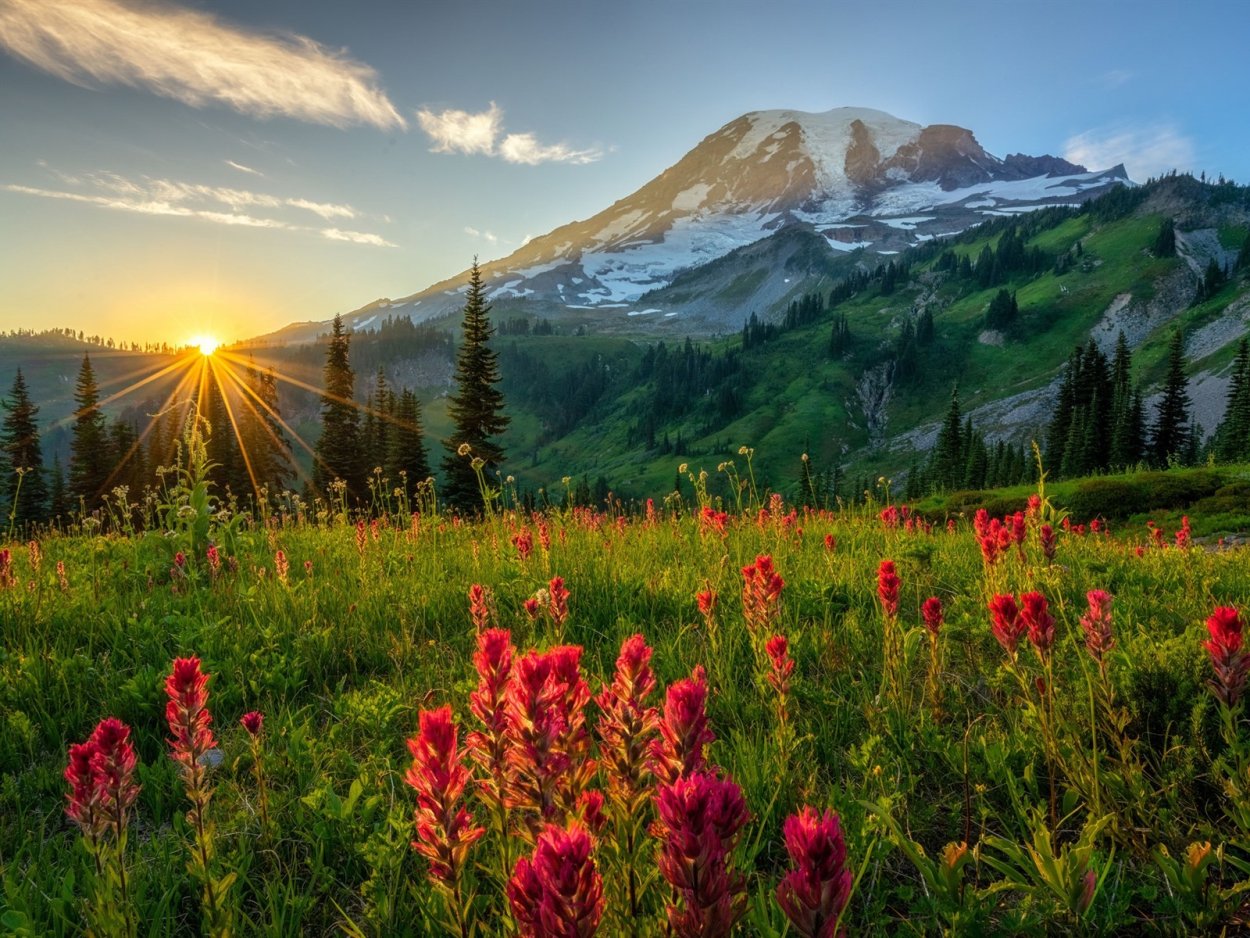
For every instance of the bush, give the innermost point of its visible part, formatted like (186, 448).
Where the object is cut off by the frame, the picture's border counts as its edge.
(1107, 498)
(1177, 489)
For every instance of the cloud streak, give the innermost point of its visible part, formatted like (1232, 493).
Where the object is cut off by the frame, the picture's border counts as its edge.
(1145, 150)
(195, 58)
(456, 131)
(165, 197)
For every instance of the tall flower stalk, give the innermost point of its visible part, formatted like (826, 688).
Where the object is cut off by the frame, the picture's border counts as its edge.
(445, 830)
(626, 729)
(815, 891)
(102, 792)
(488, 747)
(194, 748)
(932, 614)
(253, 724)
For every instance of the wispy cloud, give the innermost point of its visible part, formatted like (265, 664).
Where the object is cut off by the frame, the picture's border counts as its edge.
(455, 131)
(356, 237)
(485, 235)
(191, 200)
(195, 58)
(244, 169)
(1145, 150)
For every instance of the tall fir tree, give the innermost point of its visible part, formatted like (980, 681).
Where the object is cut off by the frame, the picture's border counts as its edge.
(89, 466)
(338, 453)
(407, 462)
(23, 487)
(946, 468)
(476, 409)
(1232, 437)
(1169, 436)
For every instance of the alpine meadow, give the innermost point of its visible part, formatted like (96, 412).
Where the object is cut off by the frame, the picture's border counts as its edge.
(842, 532)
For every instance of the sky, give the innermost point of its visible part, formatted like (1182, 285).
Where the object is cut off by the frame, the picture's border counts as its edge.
(225, 167)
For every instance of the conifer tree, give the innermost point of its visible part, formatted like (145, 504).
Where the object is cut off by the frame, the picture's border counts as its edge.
(1165, 241)
(89, 451)
(23, 487)
(1170, 433)
(949, 458)
(476, 409)
(406, 457)
(338, 453)
(1232, 437)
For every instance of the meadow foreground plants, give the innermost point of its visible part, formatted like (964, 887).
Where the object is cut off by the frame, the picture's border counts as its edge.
(555, 724)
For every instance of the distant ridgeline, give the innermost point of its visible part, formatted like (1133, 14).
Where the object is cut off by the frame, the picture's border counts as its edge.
(1111, 333)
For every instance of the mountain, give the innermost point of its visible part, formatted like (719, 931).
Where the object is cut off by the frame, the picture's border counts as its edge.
(860, 178)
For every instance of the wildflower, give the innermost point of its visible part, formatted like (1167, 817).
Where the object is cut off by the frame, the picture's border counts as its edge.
(1229, 659)
(83, 806)
(707, 600)
(36, 555)
(684, 730)
(1006, 623)
(488, 747)
(931, 613)
(253, 722)
(1046, 535)
(214, 560)
(778, 648)
(308, 569)
(559, 601)
(1034, 507)
(887, 587)
(1039, 622)
(62, 578)
(445, 830)
(1184, 535)
(831, 543)
(549, 760)
(532, 608)
(188, 715)
(281, 565)
(361, 539)
(628, 725)
(523, 541)
(715, 521)
(815, 891)
(1096, 623)
(479, 607)
(556, 892)
(761, 594)
(700, 819)
(589, 810)
(889, 517)
(950, 525)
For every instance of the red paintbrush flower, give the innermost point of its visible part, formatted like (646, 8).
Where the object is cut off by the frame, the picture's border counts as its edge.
(479, 607)
(1096, 623)
(1229, 659)
(778, 649)
(684, 730)
(931, 613)
(815, 891)
(523, 541)
(1046, 535)
(188, 716)
(556, 892)
(488, 747)
(83, 805)
(887, 587)
(700, 819)
(445, 830)
(1038, 621)
(1006, 622)
(761, 594)
(253, 722)
(113, 770)
(559, 600)
(627, 726)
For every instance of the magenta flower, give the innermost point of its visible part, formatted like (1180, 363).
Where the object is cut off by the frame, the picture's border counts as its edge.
(445, 830)
(1038, 621)
(887, 587)
(684, 730)
(556, 892)
(931, 613)
(1229, 659)
(1006, 623)
(815, 891)
(700, 819)
(1096, 623)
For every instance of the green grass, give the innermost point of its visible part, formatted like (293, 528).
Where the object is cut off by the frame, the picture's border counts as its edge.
(341, 661)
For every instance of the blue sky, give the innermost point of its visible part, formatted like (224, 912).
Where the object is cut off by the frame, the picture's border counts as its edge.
(176, 168)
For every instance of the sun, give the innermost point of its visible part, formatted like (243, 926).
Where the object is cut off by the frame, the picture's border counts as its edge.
(206, 344)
